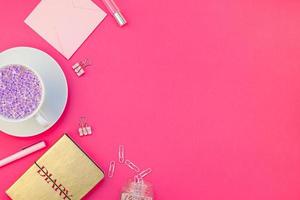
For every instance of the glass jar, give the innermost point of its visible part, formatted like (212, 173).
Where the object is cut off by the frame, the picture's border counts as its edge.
(137, 190)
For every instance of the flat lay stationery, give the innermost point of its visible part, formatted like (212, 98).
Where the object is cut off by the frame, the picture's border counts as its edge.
(33, 96)
(65, 171)
(79, 67)
(84, 128)
(24, 152)
(136, 188)
(65, 24)
(160, 99)
(115, 12)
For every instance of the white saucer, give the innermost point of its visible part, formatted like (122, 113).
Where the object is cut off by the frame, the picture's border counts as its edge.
(55, 86)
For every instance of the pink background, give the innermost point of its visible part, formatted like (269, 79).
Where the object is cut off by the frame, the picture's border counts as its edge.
(206, 93)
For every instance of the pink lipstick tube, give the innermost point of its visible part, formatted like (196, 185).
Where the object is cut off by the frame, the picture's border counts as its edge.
(115, 11)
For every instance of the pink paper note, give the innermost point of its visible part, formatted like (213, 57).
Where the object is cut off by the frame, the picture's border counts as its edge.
(65, 24)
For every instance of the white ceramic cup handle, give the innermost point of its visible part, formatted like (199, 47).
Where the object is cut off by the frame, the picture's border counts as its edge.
(41, 120)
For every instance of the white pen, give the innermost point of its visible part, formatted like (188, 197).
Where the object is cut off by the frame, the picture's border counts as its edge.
(24, 152)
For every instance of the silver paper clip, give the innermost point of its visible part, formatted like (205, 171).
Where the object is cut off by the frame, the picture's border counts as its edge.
(84, 128)
(138, 179)
(132, 166)
(121, 154)
(80, 66)
(142, 174)
(111, 169)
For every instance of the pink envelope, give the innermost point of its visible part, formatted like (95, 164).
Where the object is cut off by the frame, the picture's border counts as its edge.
(65, 24)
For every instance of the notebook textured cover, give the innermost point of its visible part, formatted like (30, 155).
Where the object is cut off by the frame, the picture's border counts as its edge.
(63, 172)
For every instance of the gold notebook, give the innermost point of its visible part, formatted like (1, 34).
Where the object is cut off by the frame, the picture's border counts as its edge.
(63, 172)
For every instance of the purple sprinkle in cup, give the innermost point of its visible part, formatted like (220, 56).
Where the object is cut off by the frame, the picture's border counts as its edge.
(21, 92)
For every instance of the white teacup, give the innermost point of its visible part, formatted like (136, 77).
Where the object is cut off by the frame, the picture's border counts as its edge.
(37, 113)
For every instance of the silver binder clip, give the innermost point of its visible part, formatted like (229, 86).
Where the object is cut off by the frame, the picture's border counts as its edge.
(79, 67)
(84, 129)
